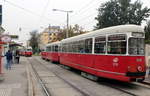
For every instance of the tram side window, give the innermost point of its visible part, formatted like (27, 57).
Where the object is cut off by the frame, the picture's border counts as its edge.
(47, 49)
(59, 48)
(88, 45)
(53, 48)
(63, 47)
(75, 47)
(116, 44)
(56, 48)
(70, 47)
(100, 44)
(50, 48)
(82, 46)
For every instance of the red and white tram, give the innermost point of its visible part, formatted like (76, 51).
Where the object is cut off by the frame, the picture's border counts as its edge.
(114, 52)
(52, 52)
(44, 54)
(28, 51)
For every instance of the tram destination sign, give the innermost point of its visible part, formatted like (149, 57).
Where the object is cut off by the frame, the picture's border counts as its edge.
(137, 34)
(117, 37)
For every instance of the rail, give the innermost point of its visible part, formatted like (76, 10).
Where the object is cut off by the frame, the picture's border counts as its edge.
(47, 93)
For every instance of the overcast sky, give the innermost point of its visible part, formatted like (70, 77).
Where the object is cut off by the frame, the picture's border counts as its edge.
(37, 14)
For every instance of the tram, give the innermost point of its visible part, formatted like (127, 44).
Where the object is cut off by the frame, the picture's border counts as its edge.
(28, 51)
(115, 52)
(43, 54)
(52, 52)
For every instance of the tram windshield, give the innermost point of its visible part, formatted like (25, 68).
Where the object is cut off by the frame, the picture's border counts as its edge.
(116, 44)
(29, 49)
(136, 46)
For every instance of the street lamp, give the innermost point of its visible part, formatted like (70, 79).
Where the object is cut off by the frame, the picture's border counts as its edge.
(67, 18)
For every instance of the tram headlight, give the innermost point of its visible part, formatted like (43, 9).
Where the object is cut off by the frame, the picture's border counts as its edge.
(139, 68)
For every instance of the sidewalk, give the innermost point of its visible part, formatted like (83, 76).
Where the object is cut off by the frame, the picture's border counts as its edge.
(15, 80)
(147, 77)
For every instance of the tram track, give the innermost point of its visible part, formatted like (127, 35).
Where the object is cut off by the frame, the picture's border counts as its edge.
(143, 84)
(47, 93)
(120, 89)
(114, 87)
(45, 87)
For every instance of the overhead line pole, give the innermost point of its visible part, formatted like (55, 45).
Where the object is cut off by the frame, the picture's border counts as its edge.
(67, 19)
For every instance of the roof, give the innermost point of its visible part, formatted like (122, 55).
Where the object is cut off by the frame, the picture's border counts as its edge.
(54, 43)
(108, 30)
(15, 44)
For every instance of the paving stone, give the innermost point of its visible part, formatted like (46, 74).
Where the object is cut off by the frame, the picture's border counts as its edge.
(64, 92)
(43, 73)
(5, 92)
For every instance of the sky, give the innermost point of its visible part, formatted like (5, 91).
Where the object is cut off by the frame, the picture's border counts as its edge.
(32, 15)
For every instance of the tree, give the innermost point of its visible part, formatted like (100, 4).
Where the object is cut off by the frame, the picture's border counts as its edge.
(34, 41)
(147, 33)
(72, 31)
(118, 12)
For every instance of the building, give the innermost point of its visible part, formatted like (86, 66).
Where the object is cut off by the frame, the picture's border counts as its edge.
(54, 31)
(49, 35)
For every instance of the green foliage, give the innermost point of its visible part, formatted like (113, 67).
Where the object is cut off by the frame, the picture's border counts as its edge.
(147, 33)
(34, 41)
(118, 12)
(72, 31)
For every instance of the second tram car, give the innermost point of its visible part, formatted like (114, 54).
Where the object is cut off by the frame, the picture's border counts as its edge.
(44, 54)
(115, 52)
(52, 52)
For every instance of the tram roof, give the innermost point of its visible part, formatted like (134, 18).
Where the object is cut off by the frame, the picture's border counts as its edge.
(109, 30)
(54, 43)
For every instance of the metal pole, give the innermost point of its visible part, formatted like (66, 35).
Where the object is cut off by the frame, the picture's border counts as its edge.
(67, 25)
(67, 31)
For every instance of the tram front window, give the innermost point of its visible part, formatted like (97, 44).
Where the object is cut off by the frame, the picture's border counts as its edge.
(29, 49)
(118, 47)
(116, 44)
(136, 46)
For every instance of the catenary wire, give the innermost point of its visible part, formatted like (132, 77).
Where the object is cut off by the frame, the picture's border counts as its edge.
(29, 11)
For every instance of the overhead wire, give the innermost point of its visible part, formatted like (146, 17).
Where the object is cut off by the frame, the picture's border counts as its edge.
(44, 9)
(84, 18)
(83, 9)
(86, 9)
(29, 11)
(91, 22)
